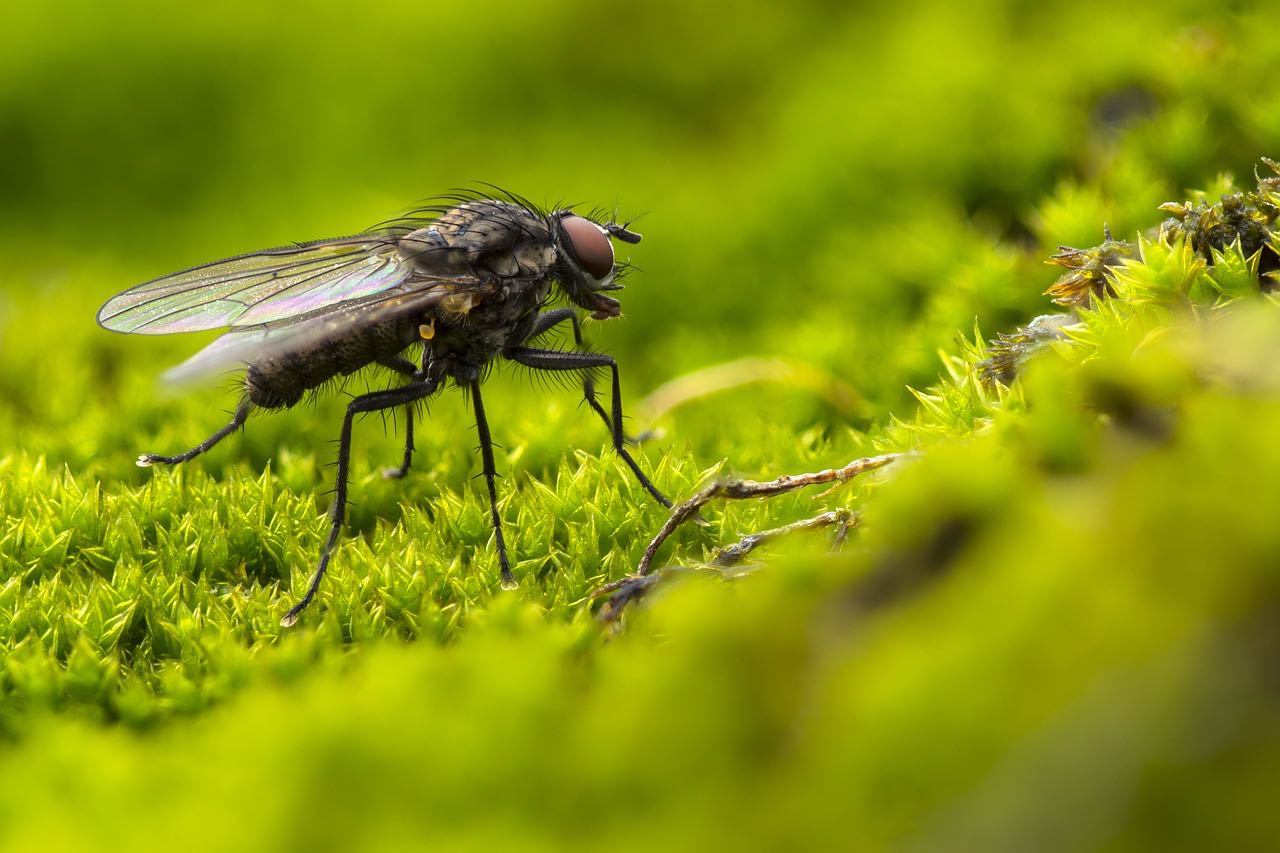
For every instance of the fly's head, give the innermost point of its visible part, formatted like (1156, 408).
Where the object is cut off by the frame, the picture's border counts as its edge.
(584, 261)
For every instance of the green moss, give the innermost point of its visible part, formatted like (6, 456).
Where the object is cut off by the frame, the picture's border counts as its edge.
(1052, 628)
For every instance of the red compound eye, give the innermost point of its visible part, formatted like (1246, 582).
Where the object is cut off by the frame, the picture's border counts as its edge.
(590, 244)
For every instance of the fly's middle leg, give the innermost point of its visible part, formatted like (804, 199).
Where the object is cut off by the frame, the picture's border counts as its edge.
(491, 474)
(146, 460)
(405, 368)
(398, 473)
(375, 402)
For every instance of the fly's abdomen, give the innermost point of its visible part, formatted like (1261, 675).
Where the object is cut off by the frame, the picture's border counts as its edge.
(281, 379)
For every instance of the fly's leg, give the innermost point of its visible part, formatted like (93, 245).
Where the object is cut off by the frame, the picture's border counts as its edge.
(405, 368)
(490, 473)
(397, 473)
(545, 359)
(146, 460)
(551, 319)
(375, 402)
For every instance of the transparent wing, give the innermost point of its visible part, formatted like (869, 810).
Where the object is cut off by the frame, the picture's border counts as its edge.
(261, 287)
(242, 346)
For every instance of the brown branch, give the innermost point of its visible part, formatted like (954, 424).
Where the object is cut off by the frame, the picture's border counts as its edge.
(745, 489)
(738, 551)
(620, 593)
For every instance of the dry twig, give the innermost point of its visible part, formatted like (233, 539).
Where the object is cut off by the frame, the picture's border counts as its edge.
(623, 591)
(738, 551)
(744, 489)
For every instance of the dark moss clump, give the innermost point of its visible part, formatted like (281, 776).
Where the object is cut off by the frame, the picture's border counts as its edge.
(1247, 219)
(1235, 241)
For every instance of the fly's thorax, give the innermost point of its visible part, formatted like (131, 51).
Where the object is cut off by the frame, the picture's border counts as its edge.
(461, 349)
(483, 236)
(462, 342)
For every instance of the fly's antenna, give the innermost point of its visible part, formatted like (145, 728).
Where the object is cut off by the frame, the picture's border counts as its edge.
(622, 233)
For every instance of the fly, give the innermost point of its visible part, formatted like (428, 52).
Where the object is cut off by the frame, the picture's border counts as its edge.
(468, 279)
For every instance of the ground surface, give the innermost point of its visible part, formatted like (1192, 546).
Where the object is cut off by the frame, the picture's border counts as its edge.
(1052, 628)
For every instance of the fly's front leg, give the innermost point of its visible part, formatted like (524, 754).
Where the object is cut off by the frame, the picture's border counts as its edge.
(553, 360)
(146, 460)
(551, 319)
(375, 402)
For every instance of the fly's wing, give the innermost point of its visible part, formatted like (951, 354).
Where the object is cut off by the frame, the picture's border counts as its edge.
(261, 287)
(451, 296)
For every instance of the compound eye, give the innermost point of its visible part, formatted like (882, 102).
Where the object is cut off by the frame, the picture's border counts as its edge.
(590, 245)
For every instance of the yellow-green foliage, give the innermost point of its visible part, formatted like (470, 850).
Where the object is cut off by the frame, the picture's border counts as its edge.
(1052, 629)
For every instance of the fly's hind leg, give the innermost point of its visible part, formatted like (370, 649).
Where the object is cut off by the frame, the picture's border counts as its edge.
(146, 460)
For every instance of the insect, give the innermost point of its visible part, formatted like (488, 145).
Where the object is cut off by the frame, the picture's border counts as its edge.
(468, 279)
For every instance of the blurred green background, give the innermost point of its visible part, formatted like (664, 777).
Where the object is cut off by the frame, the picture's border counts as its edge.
(844, 189)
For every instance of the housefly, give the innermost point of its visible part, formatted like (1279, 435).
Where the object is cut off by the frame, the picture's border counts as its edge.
(468, 279)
